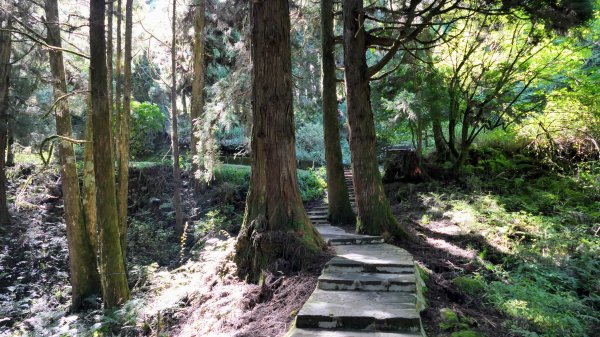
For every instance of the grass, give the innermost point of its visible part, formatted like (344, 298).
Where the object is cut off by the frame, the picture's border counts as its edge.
(544, 226)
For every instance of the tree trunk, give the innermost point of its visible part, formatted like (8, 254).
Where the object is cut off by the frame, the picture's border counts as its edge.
(276, 231)
(82, 258)
(123, 142)
(89, 182)
(438, 135)
(115, 289)
(10, 154)
(109, 60)
(5, 50)
(340, 210)
(118, 79)
(197, 108)
(174, 136)
(374, 213)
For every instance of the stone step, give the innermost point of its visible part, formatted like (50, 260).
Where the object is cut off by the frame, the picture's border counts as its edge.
(347, 333)
(381, 258)
(335, 236)
(367, 282)
(356, 310)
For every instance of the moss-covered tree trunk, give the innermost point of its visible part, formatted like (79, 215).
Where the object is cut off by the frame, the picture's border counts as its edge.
(197, 105)
(123, 143)
(116, 113)
(115, 289)
(276, 231)
(177, 204)
(374, 213)
(5, 51)
(82, 258)
(340, 210)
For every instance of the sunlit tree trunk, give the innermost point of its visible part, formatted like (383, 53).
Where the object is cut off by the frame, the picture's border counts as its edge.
(174, 136)
(374, 213)
(197, 104)
(340, 210)
(82, 258)
(115, 289)
(276, 226)
(5, 50)
(123, 143)
(10, 154)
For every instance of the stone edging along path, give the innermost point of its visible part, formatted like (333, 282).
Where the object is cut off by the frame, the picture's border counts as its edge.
(369, 288)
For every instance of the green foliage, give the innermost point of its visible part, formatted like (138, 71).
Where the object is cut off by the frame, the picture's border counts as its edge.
(310, 145)
(311, 182)
(147, 121)
(544, 225)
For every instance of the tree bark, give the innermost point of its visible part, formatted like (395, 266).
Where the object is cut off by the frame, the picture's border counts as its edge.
(174, 136)
(123, 143)
(118, 79)
(109, 59)
(5, 51)
(85, 280)
(276, 231)
(10, 154)
(89, 183)
(115, 289)
(197, 104)
(340, 210)
(374, 213)
(438, 135)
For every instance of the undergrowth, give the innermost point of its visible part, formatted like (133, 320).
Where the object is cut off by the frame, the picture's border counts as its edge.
(540, 262)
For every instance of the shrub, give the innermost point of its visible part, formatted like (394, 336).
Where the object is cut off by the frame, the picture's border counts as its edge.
(147, 122)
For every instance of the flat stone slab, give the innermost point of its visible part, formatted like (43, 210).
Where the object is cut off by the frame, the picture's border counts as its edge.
(384, 311)
(336, 236)
(367, 282)
(381, 258)
(346, 333)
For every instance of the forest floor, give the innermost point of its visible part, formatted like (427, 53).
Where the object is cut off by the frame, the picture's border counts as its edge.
(176, 291)
(512, 255)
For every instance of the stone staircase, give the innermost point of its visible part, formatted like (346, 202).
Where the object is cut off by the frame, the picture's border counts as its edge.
(369, 288)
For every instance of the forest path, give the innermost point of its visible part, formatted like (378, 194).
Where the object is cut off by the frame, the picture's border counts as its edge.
(369, 288)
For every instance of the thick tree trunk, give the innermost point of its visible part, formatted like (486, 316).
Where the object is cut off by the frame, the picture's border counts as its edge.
(340, 210)
(115, 289)
(5, 50)
(174, 136)
(374, 213)
(276, 229)
(123, 142)
(197, 104)
(82, 258)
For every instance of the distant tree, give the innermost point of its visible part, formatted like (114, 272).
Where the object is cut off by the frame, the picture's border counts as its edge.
(197, 108)
(490, 78)
(123, 133)
(338, 198)
(115, 289)
(5, 51)
(177, 204)
(85, 280)
(276, 228)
